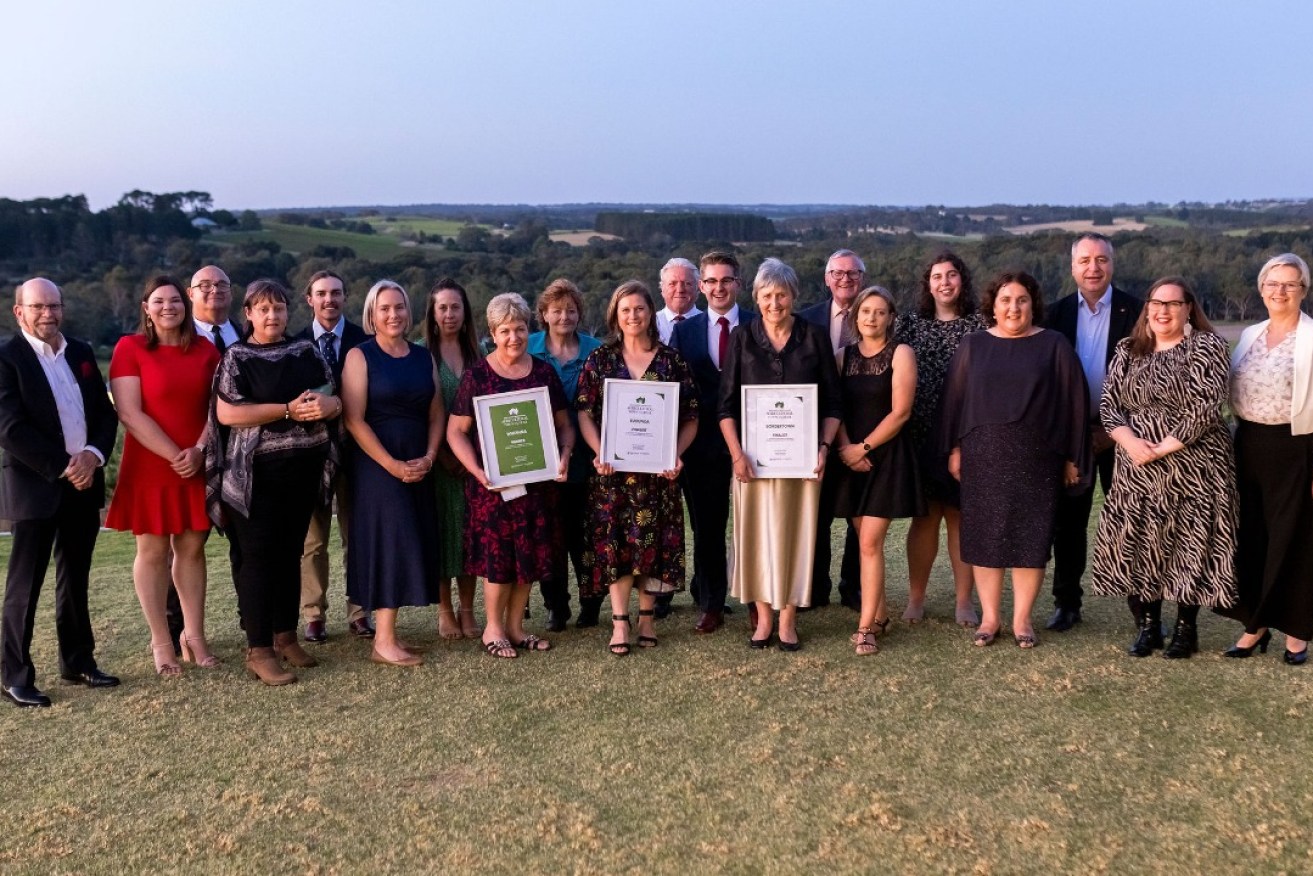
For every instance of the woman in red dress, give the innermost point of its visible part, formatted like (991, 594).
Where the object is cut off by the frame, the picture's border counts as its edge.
(160, 378)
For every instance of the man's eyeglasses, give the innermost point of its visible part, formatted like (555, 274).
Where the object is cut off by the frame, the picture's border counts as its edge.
(207, 286)
(45, 308)
(844, 275)
(720, 281)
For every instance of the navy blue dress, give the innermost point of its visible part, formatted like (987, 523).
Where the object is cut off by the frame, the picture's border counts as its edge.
(393, 558)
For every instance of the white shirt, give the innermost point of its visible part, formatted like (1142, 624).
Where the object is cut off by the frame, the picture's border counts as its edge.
(713, 330)
(226, 328)
(318, 331)
(1092, 342)
(666, 321)
(68, 395)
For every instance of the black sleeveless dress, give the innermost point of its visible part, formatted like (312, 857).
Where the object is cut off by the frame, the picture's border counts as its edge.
(892, 488)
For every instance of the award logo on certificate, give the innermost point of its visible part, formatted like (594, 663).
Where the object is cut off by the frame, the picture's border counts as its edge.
(780, 429)
(517, 436)
(640, 425)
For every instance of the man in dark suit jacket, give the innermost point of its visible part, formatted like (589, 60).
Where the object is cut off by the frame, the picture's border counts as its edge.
(1093, 318)
(335, 335)
(702, 340)
(57, 428)
(844, 275)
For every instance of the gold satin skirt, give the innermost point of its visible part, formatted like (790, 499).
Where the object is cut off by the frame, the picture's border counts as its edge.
(774, 540)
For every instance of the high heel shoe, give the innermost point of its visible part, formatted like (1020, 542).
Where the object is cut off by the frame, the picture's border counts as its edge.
(200, 655)
(647, 641)
(1240, 653)
(1296, 658)
(165, 663)
(620, 649)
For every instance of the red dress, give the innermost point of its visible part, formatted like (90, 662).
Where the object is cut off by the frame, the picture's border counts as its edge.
(150, 499)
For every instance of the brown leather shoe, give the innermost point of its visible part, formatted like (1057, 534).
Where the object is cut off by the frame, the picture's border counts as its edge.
(263, 664)
(709, 622)
(288, 648)
(361, 629)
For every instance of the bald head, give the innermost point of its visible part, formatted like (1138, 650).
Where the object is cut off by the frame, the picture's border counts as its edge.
(39, 309)
(35, 284)
(211, 294)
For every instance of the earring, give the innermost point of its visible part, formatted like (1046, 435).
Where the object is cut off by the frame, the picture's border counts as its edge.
(150, 323)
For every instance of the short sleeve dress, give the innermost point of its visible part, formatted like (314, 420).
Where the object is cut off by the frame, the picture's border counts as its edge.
(636, 522)
(511, 542)
(150, 498)
(892, 488)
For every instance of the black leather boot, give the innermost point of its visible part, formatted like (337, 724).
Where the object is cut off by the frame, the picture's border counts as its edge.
(1150, 637)
(1185, 641)
(588, 611)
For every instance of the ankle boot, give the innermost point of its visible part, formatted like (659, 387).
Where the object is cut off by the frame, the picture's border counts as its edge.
(1185, 641)
(263, 664)
(1150, 637)
(588, 612)
(288, 648)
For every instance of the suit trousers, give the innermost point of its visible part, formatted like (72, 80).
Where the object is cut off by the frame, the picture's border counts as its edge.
(71, 533)
(1071, 535)
(314, 555)
(706, 480)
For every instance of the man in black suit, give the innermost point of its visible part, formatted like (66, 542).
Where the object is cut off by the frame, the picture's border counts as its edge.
(844, 275)
(57, 428)
(702, 340)
(1093, 318)
(335, 335)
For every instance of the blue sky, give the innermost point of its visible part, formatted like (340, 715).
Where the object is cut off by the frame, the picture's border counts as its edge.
(316, 103)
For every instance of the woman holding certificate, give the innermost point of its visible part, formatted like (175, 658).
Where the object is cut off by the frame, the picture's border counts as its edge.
(637, 519)
(511, 533)
(780, 403)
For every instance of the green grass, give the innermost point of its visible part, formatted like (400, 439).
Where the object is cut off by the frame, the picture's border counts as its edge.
(414, 224)
(699, 756)
(302, 238)
(1166, 221)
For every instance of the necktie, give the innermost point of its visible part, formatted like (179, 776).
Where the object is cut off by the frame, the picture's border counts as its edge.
(679, 318)
(846, 334)
(327, 348)
(722, 344)
(218, 339)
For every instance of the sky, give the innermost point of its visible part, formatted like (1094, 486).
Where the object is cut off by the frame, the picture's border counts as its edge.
(288, 103)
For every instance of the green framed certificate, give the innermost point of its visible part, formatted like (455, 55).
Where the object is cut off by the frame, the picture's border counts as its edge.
(779, 429)
(640, 424)
(517, 437)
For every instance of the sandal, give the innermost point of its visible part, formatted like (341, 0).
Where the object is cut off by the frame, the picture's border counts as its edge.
(500, 648)
(200, 656)
(620, 649)
(533, 643)
(448, 626)
(1025, 641)
(864, 640)
(166, 666)
(984, 638)
(647, 641)
(880, 627)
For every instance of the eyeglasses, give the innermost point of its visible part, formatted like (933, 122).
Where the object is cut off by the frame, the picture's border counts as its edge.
(843, 275)
(1274, 286)
(45, 308)
(1170, 306)
(723, 281)
(207, 286)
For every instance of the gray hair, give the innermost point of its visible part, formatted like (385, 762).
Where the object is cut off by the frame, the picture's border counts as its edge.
(774, 272)
(682, 264)
(1286, 259)
(371, 299)
(1095, 237)
(846, 254)
(507, 307)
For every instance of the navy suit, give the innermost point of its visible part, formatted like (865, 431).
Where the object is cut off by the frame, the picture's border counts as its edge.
(818, 315)
(708, 471)
(352, 336)
(46, 510)
(1070, 535)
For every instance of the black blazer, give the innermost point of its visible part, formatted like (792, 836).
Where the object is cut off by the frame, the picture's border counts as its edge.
(690, 339)
(352, 336)
(1126, 308)
(818, 314)
(32, 438)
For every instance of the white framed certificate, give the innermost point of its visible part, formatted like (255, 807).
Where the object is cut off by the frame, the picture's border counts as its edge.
(640, 424)
(517, 436)
(780, 433)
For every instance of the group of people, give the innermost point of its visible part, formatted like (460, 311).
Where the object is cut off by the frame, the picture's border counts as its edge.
(986, 416)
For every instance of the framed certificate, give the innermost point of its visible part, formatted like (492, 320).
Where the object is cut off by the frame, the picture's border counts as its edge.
(517, 436)
(780, 434)
(640, 424)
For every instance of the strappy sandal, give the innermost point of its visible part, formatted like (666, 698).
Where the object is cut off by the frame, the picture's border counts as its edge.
(500, 648)
(881, 626)
(647, 641)
(533, 643)
(190, 653)
(984, 638)
(1025, 641)
(166, 665)
(864, 642)
(620, 649)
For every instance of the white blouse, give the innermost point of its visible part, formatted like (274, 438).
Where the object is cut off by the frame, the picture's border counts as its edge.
(1263, 382)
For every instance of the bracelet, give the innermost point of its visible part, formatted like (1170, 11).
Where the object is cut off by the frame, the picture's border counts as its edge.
(287, 414)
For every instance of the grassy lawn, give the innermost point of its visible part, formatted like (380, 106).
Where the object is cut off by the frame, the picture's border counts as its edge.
(398, 225)
(302, 238)
(699, 756)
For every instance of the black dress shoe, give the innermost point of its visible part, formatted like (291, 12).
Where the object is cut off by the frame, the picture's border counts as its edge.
(315, 631)
(663, 610)
(1063, 619)
(91, 678)
(1292, 658)
(25, 697)
(556, 619)
(588, 611)
(790, 646)
(361, 629)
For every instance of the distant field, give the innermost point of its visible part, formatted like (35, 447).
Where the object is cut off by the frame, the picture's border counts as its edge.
(580, 238)
(399, 225)
(1120, 223)
(1166, 221)
(1242, 232)
(300, 238)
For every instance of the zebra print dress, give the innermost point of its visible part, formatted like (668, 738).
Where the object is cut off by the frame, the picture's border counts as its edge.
(1168, 528)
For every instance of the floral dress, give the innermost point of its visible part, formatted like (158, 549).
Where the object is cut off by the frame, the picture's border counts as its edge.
(508, 542)
(636, 524)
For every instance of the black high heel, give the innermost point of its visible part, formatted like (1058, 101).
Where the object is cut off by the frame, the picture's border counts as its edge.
(1297, 658)
(1240, 653)
(647, 641)
(620, 649)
